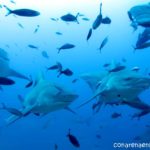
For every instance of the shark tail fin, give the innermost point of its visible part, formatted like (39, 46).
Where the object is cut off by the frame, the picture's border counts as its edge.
(9, 10)
(17, 74)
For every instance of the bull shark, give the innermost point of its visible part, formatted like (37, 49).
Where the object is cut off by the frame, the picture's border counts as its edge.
(5, 69)
(121, 87)
(44, 98)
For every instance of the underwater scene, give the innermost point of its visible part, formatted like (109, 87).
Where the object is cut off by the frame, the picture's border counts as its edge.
(74, 74)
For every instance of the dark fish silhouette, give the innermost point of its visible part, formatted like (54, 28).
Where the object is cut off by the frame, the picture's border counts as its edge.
(66, 72)
(57, 66)
(54, 67)
(86, 19)
(73, 140)
(20, 25)
(37, 29)
(89, 34)
(106, 20)
(54, 19)
(81, 15)
(55, 147)
(30, 83)
(32, 46)
(58, 33)
(106, 65)
(22, 12)
(75, 80)
(6, 81)
(115, 115)
(13, 2)
(98, 136)
(104, 42)
(66, 46)
(45, 55)
(98, 19)
(117, 69)
(11, 110)
(70, 18)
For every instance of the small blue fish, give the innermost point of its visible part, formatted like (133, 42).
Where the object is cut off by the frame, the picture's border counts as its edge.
(55, 147)
(73, 140)
(58, 33)
(70, 18)
(44, 54)
(32, 46)
(66, 72)
(20, 25)
(106, 65)
(86, 19)
(11, 110)
(6, 81)
(89, 34)
(54, 19)
(22, 12)
(117, 69)
(57, 66)
(104, 42)
(66, 46)
(13, 2)
(30, 83)
(36, 29)
(75, 80)
(81, 15)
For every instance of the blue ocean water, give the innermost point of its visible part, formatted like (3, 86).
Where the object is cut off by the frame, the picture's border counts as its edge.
(43, 132)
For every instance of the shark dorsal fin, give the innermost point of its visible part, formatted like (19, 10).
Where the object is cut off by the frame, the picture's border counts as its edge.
(113, 64)
(39, 78)
(3, 54)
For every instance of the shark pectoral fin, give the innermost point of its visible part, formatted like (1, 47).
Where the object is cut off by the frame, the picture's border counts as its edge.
(138, 104)
(17, 74)
(14, 118)
(70, 110)
(141, 113)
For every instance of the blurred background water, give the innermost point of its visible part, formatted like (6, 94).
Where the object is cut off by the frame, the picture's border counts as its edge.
(33, 132)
